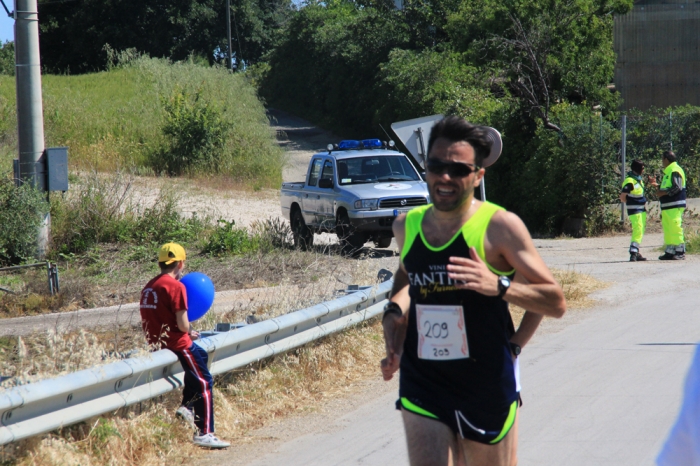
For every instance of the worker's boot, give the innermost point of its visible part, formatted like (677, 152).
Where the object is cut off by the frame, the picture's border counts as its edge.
(680, 252)
(672, 255)
(634, 253)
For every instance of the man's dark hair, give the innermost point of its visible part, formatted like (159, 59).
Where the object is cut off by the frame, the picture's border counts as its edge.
(637, 166)
(670, 156)
(454, 128)
(167, 268)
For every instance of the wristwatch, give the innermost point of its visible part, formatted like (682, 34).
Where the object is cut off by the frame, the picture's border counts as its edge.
(392, 308)
(515, 348)
(503, 285)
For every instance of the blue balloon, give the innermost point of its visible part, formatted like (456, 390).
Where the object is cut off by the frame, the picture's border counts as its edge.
(200, 294)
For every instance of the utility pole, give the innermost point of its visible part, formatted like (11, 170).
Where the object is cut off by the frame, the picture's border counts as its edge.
(30, 115)
(228, 33)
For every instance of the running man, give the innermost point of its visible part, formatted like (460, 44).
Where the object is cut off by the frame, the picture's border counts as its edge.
(447, 325)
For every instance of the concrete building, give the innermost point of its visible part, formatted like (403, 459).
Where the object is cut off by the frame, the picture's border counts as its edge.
(658, 54)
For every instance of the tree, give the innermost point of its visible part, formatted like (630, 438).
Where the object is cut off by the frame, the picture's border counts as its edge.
(7, 58)
(326, 64)
(73, 34)
(547, 52)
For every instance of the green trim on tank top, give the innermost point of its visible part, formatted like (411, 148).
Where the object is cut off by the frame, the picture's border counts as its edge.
(414, 221)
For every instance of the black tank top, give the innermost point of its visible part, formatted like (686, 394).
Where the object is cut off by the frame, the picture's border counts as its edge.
(487, 377)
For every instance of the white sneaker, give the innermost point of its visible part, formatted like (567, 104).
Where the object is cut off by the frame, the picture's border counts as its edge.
(209, 441)
(186, 415)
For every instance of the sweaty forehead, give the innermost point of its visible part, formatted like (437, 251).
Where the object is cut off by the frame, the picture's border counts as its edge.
(456, 151)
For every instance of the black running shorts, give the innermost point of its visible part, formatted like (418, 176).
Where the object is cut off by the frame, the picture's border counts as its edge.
(465, 421)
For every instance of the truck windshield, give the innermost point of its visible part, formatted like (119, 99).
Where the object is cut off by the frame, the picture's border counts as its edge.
(372, 169)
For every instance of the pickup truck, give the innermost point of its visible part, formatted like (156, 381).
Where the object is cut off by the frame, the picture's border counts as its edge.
(355, 190)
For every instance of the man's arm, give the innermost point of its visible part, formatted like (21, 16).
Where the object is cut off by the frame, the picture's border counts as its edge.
(625, 191)
(528, 325)
(183, 324)
(676, 184)
(509, 238)
(394, 325)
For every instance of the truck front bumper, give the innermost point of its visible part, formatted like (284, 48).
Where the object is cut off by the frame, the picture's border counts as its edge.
(374, 220)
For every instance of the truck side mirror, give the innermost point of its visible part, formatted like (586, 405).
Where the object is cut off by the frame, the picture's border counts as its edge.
(325, 183)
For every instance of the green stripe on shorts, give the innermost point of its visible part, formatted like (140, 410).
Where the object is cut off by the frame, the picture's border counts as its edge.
(510, 420)
(416, 409)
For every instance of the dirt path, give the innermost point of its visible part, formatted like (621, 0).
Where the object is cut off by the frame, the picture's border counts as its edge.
(300, 140)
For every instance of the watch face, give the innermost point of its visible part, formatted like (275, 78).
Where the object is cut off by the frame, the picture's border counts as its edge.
(515, 348)
(505, 282)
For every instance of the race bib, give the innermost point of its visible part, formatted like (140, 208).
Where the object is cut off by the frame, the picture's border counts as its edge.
(442, 335)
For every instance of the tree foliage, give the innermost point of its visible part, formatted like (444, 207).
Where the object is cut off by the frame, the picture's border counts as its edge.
(7, 58)
(547, 52)
(73, 34)
(326, 64)
(21, 212)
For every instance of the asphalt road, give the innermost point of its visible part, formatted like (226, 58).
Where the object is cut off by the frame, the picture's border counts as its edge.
(600, 386)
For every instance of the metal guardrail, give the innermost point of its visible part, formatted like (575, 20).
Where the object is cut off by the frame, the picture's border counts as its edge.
(51, 272)
(50, 404)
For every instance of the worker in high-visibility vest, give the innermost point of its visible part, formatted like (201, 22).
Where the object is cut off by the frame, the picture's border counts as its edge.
(672, 195)
(633, 195)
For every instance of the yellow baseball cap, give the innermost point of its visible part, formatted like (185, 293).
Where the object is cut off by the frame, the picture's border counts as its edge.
(171, 252)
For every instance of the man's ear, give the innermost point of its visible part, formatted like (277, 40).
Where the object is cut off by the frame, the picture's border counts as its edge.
(479, 176)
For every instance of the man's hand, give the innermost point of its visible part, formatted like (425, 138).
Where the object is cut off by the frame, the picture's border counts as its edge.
(194, 334)
(394, 336)
(473, 274)
(652, 182)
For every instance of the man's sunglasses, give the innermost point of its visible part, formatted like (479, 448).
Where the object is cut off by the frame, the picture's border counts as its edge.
(454, 169)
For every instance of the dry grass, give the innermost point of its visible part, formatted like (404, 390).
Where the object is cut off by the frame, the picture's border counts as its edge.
(577, 289)
(246, 399)
(52, 353)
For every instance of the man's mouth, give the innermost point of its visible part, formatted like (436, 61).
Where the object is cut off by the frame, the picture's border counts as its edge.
(445, 191)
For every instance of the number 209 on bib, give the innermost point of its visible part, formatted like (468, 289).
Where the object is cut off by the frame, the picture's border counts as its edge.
(442, 333)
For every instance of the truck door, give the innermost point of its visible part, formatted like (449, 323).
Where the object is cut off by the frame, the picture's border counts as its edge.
(312, 193)
(325, 210)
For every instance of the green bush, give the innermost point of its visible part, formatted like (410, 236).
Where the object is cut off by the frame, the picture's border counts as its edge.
(7, 58)
(227, 239)
(101, 210)
(195, 135)
(21, 212)
(569, 174)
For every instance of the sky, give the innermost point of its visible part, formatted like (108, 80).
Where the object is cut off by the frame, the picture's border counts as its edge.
(6, 24)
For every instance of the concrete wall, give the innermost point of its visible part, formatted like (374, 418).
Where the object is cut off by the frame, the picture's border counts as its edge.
(658, 55)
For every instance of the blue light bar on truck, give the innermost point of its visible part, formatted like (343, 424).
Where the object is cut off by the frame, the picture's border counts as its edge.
(349, 144)
(371, 143)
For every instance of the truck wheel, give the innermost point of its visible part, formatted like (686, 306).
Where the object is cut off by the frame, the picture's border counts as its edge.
(383, 242)
(303, 236)
(350, 240)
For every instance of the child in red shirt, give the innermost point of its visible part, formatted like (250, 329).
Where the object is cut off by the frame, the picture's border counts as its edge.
(164, 320)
